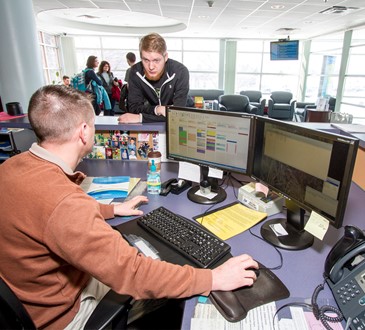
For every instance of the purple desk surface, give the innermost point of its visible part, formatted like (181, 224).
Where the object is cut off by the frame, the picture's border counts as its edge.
(101, 123)
(301, 271)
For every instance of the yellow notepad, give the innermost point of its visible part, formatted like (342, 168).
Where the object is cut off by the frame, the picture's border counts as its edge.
(230, 220)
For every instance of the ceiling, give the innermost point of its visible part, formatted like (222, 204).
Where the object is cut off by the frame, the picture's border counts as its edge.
(263, 19)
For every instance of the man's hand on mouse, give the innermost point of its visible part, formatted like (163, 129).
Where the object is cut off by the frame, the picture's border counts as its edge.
(130, 207)
(234, 273)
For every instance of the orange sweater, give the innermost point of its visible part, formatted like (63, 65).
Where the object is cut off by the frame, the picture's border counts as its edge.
(53, 237)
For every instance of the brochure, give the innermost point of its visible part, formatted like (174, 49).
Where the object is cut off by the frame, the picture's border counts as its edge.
(109, 187)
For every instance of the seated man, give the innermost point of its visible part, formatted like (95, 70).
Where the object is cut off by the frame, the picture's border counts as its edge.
(59, 255)
(154, 82)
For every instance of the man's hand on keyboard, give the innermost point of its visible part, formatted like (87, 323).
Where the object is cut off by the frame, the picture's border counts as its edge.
(130, 207)
(233, 273)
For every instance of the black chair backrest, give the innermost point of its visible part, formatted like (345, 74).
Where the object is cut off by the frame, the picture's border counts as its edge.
(253, 96)
(12, 312)
(234, 102)
(281, 97)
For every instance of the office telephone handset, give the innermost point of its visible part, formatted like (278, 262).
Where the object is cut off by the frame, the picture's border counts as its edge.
(344, 271)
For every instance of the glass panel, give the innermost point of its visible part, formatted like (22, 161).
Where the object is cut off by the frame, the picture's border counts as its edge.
(120, 43)
(203, 80)
(354, 86)
(199, 61)
(55, 77)
(356, 64)
(358, 37)
(271, 83)
(52, 57)
(87, 42)
(173, 44)
(250, 45)
(283, 67)
(324, 64)
(248, 62)
(321, 86)
(116, 59)
(247, 82)
(357, 112)
(177, 56)
(82, 56)
(201, 44)
(49, 39)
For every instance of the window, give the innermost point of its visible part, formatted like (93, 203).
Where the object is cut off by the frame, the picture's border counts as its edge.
(50, 58)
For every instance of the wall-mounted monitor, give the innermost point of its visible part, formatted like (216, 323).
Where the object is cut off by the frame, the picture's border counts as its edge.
(284, 50)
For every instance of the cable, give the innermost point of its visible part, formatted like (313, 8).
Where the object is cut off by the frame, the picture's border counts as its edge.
(320, 312)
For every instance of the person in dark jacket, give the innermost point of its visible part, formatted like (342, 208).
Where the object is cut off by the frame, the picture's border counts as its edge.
(155, 82)
(92, 63)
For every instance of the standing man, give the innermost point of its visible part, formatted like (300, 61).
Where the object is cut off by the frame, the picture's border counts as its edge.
(154, 82)
(131, 60)
(59, 255)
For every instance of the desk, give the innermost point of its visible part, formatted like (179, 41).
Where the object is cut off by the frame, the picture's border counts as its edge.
(101, 123)
(301, 271)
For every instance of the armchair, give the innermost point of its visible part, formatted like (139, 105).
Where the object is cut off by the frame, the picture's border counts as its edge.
(256, 99)
(300, 110)
(281, 105)
(236, 103)
(112, 310)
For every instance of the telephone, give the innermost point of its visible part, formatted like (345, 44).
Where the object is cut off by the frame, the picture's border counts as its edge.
(345, 275)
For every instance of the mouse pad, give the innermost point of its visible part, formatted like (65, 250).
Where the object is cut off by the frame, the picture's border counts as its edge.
(233, 305)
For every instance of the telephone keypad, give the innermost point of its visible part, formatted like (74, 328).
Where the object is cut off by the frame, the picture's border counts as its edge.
(349, 291)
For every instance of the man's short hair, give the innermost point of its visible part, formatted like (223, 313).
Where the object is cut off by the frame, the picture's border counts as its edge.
(153, 43)
(55, 111)
(131, 57)
(65, 77)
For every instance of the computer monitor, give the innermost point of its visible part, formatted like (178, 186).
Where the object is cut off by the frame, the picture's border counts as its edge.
(210, 139)
(311, 168)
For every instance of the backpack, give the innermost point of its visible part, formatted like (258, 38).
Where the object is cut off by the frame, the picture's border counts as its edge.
(78, 81)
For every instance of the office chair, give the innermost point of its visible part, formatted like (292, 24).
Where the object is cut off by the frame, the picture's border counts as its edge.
(281, 105)
(256, 99)
(112, 310)
(236, 103)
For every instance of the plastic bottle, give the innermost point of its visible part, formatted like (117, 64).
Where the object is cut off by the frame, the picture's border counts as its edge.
(153, 180)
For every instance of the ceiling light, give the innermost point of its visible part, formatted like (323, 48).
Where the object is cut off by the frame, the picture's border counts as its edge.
(277, 7)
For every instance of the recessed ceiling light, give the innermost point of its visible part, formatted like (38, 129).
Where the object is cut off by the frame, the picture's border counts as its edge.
(277, 7)
(203, 17)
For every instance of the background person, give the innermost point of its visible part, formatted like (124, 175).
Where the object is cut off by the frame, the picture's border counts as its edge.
(107, 77)
(59, 255)
(154, 82)
(66, 81)
(131, 60)
(91, 64)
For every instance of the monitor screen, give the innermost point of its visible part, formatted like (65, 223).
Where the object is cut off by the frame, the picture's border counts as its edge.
(284, 50)
(311, 168)
(209, 138)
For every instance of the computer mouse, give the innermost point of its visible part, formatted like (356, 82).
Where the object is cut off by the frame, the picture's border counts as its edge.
(256, 271)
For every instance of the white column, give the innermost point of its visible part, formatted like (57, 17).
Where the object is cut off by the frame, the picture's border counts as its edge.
(21, 71)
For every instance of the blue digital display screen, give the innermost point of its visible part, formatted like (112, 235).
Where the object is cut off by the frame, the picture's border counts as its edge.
(284, 50)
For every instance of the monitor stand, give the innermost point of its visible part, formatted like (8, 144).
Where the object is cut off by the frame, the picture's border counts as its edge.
(297, 238)
(221, 193)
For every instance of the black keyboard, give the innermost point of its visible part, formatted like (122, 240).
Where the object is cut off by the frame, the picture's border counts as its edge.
(190, 239)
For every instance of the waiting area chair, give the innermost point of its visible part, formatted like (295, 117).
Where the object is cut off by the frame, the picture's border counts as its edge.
(111, 311)
(256, 99)
(299, 112)
(206, 94)
(236, 103)
(281, 105)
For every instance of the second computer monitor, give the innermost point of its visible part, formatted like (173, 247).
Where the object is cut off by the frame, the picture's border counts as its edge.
(311, 168)
(216, 139)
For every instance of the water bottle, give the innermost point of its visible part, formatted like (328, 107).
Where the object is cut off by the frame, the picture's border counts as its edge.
(153, 180)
